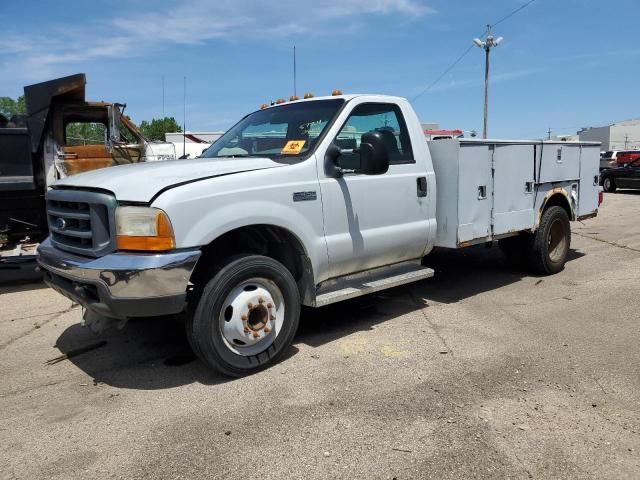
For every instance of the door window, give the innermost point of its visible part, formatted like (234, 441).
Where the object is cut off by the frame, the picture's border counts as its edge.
(375, 117)
(85, 133)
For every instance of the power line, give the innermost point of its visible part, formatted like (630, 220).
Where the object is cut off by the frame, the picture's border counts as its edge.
(449, 68)
(464, 54)
(514, 12)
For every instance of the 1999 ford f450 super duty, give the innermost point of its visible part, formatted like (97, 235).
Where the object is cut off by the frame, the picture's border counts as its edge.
(307, 202)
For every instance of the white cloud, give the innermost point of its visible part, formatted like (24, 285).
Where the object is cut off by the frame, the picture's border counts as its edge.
(31, 57)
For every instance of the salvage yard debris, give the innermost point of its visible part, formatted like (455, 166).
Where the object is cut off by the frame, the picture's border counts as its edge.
(76, 352)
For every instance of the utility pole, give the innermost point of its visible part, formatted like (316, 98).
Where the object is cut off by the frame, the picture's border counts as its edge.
(487, 45)
(295, 93)
(626, 141)
(162, 96)
(549, 134)
(184, 118)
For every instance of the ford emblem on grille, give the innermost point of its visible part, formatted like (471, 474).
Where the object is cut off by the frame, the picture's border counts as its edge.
(61, 223)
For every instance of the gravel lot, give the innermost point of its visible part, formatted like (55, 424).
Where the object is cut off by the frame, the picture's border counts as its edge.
(480, 371)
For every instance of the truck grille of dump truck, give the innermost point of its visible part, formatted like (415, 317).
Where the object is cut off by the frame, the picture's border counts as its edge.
(81, 222)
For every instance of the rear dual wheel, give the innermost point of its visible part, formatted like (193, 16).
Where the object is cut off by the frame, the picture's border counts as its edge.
(546, 250)
(551, 241)
(246, 317)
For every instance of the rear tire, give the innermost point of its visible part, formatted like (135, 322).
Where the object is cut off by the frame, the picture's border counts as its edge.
(247, 316)
(551, 242)
(608, 185)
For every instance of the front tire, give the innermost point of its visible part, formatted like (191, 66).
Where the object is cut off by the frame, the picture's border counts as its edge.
(551, 241)
(608, 185)
(247, 316)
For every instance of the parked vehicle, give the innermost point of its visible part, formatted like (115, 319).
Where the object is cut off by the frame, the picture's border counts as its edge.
(624, 176)
(626, 157)
(303, 203)
(608, 158)
(61, 135)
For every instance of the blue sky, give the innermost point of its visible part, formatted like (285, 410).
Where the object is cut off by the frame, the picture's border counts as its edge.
(563, 64)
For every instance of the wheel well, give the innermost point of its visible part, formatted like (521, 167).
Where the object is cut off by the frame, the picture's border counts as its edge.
(558, 200)
(268, 240)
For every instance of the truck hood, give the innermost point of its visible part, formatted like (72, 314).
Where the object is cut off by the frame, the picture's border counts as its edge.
(140, 182)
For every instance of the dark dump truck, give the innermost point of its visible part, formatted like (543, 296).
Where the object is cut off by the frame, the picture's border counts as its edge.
(61, 134)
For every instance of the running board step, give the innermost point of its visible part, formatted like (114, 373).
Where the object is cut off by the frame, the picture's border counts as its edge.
(363, 283)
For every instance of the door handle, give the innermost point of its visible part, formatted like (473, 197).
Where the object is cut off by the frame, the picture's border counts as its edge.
(422, 186)
(67, 156)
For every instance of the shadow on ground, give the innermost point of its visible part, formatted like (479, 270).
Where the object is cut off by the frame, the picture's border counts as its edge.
(154, 354)
(23, 274)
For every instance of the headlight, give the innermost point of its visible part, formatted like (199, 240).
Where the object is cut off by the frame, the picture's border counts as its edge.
(143, 228)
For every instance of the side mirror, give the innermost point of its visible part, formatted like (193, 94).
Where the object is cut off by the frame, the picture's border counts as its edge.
(374, 157)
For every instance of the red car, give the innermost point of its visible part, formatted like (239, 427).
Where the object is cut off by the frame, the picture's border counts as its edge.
(627, 157)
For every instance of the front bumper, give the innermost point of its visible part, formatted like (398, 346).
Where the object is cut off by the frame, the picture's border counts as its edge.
(121, 285)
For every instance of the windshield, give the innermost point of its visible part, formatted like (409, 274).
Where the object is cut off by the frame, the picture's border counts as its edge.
(285, 133)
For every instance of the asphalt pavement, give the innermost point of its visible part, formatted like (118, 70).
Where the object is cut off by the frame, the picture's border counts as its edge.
(479, 372)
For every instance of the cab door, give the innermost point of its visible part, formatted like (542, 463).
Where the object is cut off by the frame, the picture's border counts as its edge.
(374, 220)
(84, 148)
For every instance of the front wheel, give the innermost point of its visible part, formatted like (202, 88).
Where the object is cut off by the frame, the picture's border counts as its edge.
(551, 241)
(608, 185)
(247, 316)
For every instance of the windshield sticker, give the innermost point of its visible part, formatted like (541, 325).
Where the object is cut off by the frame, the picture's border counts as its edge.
(293, 147)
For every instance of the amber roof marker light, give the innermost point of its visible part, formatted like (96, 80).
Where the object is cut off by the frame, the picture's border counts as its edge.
(308, 95)
(336, 92)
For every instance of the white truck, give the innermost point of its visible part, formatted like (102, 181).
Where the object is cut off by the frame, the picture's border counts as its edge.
(303, 203)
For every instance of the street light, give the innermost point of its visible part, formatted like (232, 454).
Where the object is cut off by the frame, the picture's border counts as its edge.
(487, 45)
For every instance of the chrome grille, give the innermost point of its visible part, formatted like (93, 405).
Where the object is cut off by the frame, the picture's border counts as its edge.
(81, 222)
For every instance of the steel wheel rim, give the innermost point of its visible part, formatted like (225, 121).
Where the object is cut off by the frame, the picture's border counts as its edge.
(556, 241)
(252, 316)
(607, 183)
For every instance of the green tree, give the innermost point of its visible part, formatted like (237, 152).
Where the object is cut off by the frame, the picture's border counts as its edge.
(157, 127)
(10, 107)
(83, 133)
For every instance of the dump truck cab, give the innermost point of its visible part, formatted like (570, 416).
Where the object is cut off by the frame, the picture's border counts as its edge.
(63, 135)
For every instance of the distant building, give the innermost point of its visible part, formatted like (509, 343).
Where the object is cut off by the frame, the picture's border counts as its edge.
(565, 138)
(617, 136)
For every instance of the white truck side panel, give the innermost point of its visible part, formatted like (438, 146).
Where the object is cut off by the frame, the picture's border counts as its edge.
(447, 191)
(491, 188)
(513, 189)
(589, 180)
(474, 192)
(560, 162)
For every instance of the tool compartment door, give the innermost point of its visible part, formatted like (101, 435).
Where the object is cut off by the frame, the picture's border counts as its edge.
(513, 187)
(589, 179)
(474, 192)
(559, 162)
